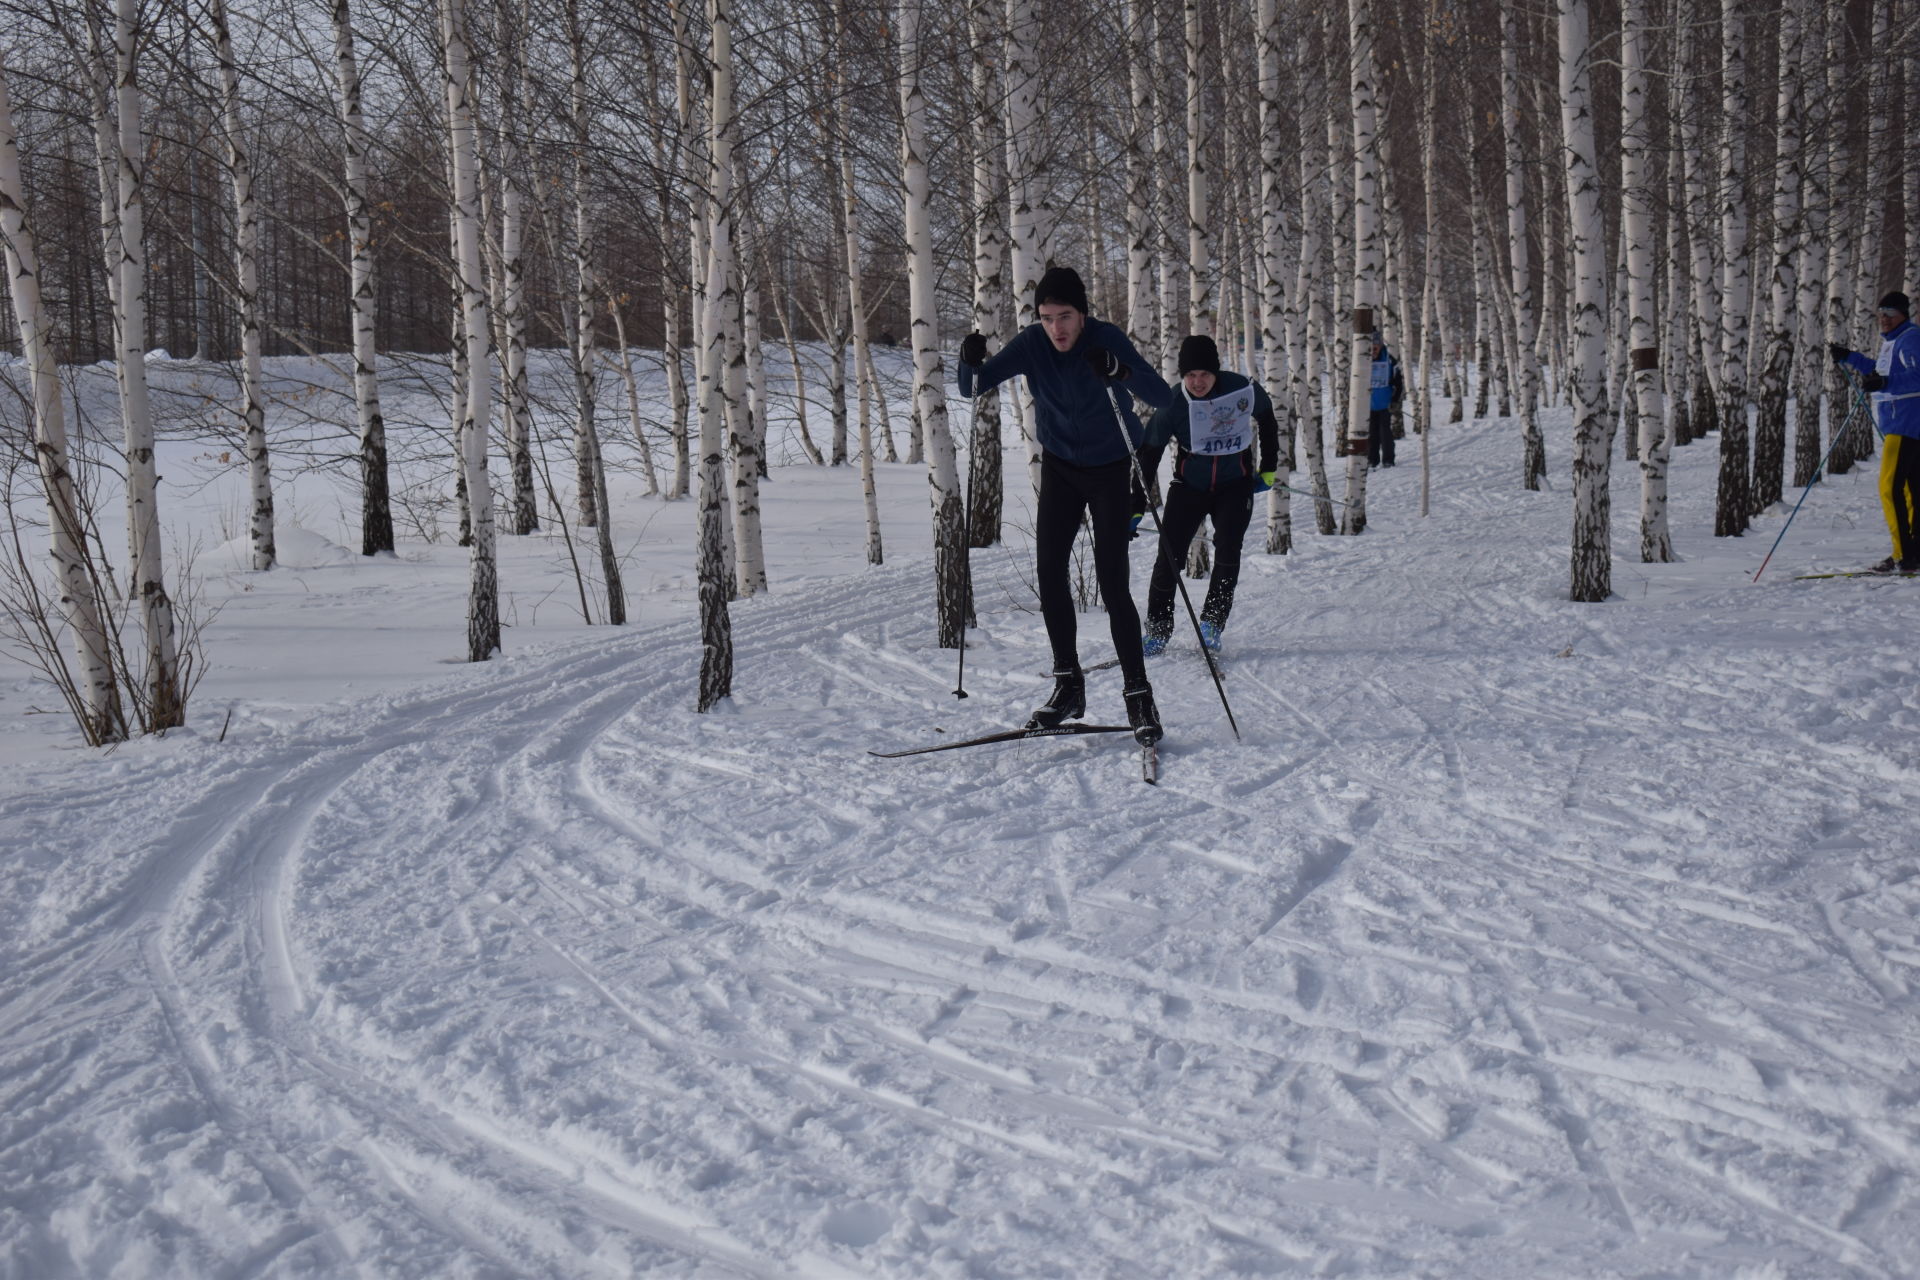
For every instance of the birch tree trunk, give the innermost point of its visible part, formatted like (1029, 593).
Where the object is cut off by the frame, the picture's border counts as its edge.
(376, 509)
(716, 627)
(633, 397)
(483, 596)
(1733, 501)
(985, 489)
(98, 710)
(750, 559)
(246, 264)
(953, 583)
(1841, 232)
(1200, 318)
(1029, 221)
(586, 309)
(165, 699)
(1273, 293)
(1429, 270)
(1592, 559)
(1656, 544)
(1140, 175)
(1366, 259)
(1707, 377)
(513, 284)
(1811, 268)
(1314, 321)
(1533, 465)
(1789, 177)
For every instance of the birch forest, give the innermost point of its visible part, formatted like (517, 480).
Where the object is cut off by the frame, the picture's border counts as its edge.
(1656, 213)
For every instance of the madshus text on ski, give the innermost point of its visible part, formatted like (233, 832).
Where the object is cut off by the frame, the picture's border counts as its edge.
(1083, 375)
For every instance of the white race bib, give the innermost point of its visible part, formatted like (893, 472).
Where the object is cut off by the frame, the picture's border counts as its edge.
(1223, 425)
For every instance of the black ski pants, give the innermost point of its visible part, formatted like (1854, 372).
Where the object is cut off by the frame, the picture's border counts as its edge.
(1230, 507)
(1380, 438)
(1102, 494)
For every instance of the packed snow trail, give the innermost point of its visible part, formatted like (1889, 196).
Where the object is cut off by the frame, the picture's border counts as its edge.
(1516, 939)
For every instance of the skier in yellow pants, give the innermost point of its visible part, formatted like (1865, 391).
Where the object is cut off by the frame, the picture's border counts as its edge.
(1893, 379)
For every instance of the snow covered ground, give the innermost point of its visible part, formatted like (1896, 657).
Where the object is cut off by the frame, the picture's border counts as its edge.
(1515, 938)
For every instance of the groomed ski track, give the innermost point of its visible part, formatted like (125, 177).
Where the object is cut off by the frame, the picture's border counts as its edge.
(1517, 939)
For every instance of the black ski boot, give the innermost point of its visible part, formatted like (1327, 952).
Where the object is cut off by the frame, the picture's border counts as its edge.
(1142, 715)
(1069, 700)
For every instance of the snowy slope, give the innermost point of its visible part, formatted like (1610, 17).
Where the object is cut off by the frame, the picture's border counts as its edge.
(1515, 938)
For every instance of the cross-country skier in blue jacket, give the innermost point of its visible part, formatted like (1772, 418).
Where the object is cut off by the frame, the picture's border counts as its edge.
(1070, 360)
(1893, 378)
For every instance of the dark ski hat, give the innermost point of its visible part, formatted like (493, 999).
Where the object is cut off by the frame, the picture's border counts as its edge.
(1198, 352)
(1897, 301)
(1061, 285)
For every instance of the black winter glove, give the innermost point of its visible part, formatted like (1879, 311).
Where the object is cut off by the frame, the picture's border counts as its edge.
(1838, 352)
(1106, 364)
(1873, 382)
(973, 350)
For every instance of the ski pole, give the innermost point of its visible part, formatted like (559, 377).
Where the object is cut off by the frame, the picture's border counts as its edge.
(1315, 496)
(966, 549)
(1838, 436)
(1213, 669)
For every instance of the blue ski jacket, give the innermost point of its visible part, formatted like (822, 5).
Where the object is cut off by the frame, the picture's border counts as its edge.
(1072, 415)
(1897, 409)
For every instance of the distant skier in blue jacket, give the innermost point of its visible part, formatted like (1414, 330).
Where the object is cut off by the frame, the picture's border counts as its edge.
(1386, 386)
(1070, 360)
(1215, 425)
(1893, 378)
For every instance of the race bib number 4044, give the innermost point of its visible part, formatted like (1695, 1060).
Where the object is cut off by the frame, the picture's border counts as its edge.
(1222, 425)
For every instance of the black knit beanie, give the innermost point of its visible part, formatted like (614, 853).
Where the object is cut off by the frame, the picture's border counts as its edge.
(1061, 285)
(1198, 352)
(1898, 301)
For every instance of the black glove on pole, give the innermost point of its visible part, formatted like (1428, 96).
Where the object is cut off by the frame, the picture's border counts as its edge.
(1873, 382)
(973, 350)
(1838, 352)
(1106, 364)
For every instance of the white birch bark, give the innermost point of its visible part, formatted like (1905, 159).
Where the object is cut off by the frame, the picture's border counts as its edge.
(98, 708)
(985, 488)
(483, 595)
(716, 627)
(1842, 231)
(1308, 397)
(1028, 222)
(1789, 178)
(1140, 176)
(1200, 304)
(1533, 466)
(1732, 502)
(1656, 544)
(591, 467)
(1429, 270)
(1810, 270)
(1707, 379)
(376, 511)
(165, 703)
(953, 583)
(1592, 557)
(634, 422)
(746, 423)
(1367, 258)
(1273, 292)
(513, 284)
(246, 264)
